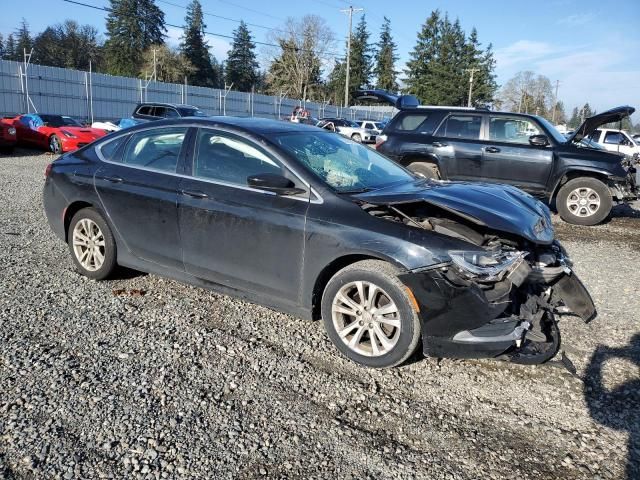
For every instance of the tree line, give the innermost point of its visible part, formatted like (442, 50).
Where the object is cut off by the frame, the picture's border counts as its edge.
(301, 62)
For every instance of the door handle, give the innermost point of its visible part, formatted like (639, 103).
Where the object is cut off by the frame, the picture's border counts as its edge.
(194, 193)
(114, 179)
(440, 144)
(492, 149)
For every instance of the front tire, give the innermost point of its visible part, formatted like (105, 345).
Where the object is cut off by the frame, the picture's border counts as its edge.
(368, 315)
(356, 137)
(55, 144)
(91, 243)
(427, 170)
(584, 201)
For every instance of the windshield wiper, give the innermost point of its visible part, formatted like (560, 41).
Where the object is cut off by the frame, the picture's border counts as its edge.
(356, 190)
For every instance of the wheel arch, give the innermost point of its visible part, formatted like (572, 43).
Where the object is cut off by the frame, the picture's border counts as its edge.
(70, 211)
(573, 174)
(425, 158)
(327, 273)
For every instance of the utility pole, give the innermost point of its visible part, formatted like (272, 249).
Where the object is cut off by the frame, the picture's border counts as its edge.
(349, 11)
(471, 71)
(555, 103)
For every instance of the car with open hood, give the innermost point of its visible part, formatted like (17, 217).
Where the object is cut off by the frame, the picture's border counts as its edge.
(314, 224)
(526, 151)
(56, 133)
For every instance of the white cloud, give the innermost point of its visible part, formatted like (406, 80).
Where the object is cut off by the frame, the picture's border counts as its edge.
(577, 19)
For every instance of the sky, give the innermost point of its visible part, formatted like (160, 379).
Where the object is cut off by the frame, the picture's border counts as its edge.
(592, 47)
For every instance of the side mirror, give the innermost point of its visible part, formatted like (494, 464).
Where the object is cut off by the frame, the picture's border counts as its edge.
(539, 140)
(272, 182)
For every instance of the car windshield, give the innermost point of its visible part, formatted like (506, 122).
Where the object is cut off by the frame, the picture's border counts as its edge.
(586, 142)
(553, 131)
(192, 112)
(343, 164)
(378, 126)
(60, 121)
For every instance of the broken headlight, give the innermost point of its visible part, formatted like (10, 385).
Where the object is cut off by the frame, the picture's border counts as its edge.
(487, 266)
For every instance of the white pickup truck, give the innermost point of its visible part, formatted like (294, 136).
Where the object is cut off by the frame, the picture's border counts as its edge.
(616, 141)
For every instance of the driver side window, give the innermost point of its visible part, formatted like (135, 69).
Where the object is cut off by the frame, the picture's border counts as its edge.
(230, 159)
(512, 130)
(156, 149)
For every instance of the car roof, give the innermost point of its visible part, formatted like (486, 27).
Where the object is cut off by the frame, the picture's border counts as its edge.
(175, 105)
(422, 108)
(247, 124)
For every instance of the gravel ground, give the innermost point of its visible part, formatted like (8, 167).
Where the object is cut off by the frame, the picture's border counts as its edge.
(180, 382)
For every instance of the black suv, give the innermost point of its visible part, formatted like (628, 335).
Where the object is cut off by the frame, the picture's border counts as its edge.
(450, 143)
(158, 111)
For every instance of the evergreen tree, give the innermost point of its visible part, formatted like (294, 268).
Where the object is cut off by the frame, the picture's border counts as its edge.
(68, 45)
(170, 65)
(132, 27)
(560, 116)
(1, 46)
(218, 73)
(195, 48)
(440, 64)
(574, 121)
(241, 66)
(386, 57)
(10, 48)
(420, 81)
(24, 41)
(336, 81)
(361, 61)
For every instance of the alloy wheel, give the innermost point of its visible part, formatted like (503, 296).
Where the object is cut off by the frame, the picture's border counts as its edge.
(366, 319)
(88, 244)
(54, 144)
(583, 202)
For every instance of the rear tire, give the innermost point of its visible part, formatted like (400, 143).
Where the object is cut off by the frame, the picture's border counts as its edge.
(375, 325)
(91, 244)
(584, 201)
(427, 170)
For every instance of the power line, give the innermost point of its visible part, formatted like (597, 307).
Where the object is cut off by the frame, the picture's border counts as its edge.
(267, 44)
(222, 17)
(250, 10)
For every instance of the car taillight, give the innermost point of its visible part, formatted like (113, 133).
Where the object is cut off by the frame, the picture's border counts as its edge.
(380, 139)
(47, 171)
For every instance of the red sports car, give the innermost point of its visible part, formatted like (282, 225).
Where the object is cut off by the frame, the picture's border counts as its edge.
(56, 133)
(7, 135)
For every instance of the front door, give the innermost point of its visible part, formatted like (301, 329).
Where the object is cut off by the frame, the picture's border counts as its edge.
(457, 146)
(244, 238)
(509, 158)
(138, 190)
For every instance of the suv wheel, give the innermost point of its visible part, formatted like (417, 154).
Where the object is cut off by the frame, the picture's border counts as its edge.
(91, 244)
(584, 201)
(427, 170)
(356, 137)
(368, 315)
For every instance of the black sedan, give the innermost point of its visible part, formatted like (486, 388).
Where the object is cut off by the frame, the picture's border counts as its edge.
(314, 224)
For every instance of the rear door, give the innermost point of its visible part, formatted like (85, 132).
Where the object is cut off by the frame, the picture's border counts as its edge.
(137, 185)
(457, 145)
(242, 237)
(509, 158)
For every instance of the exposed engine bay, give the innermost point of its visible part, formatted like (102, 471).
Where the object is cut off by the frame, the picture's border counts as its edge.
(514, 286)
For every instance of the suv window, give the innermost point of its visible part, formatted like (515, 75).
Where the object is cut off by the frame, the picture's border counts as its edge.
(229, 159)
(144, 110)
(615, 138)
(159, 111)
(156, 149)
(171, 113)
(595, 136)
(513, 130)
(411, 122)
(461, 126)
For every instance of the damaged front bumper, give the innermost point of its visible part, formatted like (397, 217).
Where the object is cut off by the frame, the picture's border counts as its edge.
(512, 317)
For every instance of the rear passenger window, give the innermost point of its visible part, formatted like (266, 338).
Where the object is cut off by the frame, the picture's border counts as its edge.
(145, 110)
(159, 112)
(229, 159)
(156, 149)
(411, 122)
(461, 126)
(108, 150)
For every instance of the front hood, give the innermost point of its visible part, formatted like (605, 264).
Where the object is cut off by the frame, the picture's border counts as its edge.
(590, 124)
(83, 132)
(497, 207)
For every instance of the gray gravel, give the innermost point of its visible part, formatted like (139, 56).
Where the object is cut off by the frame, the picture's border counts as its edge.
(184, 383)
